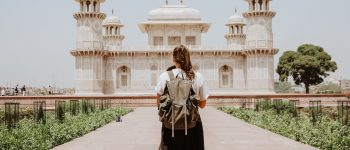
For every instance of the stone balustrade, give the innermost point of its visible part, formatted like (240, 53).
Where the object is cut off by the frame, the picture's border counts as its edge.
(214, 100)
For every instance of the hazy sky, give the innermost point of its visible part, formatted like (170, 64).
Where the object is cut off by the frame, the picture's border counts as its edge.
(36, 36)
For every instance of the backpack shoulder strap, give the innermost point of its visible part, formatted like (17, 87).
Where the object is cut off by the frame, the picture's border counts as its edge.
(171, 75)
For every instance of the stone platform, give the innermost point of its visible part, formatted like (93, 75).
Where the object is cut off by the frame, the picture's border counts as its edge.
(140, 130)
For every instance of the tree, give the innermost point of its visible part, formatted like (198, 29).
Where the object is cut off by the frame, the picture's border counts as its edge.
(309, 65)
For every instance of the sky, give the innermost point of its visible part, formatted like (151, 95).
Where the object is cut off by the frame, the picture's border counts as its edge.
(36, 36)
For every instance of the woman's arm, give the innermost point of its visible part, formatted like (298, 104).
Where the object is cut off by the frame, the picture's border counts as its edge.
(203, 92)
(158, 97)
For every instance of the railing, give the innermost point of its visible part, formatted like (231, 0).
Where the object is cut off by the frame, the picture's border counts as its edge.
(150, 101)
(170, 48)
(162, 48)
(89, 45)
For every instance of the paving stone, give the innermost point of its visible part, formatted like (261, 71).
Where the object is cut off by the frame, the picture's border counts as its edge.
(140, 130)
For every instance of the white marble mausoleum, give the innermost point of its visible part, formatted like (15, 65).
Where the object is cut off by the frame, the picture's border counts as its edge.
(104, 67)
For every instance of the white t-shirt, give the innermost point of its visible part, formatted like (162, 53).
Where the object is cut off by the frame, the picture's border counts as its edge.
(198, 85)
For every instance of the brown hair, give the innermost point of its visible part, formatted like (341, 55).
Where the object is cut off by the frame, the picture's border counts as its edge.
(181, 55)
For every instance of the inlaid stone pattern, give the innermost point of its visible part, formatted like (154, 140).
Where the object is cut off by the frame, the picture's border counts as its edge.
(103, 66)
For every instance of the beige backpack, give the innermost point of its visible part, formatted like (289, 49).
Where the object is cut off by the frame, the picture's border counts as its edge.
(178, 106)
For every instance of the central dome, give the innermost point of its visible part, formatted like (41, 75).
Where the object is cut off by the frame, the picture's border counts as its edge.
(102, 1)
(174, 12)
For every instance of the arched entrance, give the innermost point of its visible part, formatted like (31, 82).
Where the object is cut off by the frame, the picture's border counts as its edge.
(123, 77)
(225, 77)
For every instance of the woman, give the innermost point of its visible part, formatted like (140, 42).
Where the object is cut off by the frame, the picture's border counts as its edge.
(3, 92)
(194, 140)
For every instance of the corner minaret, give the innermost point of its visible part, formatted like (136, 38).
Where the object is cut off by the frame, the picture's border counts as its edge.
(89, 25)
(259, 48)
(112, 37)
(259, 20)
(236, 36)
(89, 54)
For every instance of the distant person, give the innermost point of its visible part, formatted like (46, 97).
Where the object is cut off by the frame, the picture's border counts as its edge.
(3, 92)
(16, 90)
(50, 90)
(23, 89)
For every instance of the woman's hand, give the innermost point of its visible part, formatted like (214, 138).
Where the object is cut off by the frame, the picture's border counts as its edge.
(202, 103)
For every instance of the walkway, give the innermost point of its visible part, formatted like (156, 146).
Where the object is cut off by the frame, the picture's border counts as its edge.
(140, 130)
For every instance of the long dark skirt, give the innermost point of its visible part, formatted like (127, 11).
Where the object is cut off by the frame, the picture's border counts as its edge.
(194, 140)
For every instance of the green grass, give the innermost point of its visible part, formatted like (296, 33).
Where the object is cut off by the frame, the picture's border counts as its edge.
(29, 135)
(328, 134)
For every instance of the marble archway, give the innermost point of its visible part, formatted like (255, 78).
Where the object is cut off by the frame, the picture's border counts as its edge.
(225, 77)
(123, 77)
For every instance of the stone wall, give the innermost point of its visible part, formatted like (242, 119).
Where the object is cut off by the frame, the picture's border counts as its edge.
(150, 100)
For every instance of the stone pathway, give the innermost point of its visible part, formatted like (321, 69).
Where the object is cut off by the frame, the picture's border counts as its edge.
(140, 130)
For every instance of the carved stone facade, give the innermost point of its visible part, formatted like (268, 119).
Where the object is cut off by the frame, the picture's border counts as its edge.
(105, 67)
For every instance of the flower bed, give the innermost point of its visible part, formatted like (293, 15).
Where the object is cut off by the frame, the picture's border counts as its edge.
(31, 135)
(326, 134)
(25, 112)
